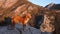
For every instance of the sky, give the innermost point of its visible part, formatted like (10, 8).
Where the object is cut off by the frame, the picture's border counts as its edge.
(44, 2)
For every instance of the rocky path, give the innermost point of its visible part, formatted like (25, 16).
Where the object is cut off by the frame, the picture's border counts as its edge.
(18, 30)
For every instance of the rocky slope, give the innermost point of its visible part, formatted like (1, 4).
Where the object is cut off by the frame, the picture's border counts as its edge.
(10, 8)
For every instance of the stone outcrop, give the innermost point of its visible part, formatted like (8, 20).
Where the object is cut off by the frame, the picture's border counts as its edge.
(56, 7)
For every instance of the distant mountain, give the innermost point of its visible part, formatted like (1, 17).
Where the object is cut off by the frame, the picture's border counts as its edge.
(53, 6)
